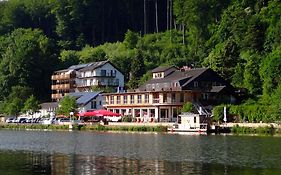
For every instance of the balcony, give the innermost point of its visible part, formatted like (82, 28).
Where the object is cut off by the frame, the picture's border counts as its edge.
(56, 96)
(156, 100)
(61, 86)
(63, 77)
(99, 83)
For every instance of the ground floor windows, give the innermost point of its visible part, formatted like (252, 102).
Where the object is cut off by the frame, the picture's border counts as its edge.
(150, 114)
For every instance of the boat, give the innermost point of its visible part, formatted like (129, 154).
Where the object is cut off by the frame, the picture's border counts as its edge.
(190, 122)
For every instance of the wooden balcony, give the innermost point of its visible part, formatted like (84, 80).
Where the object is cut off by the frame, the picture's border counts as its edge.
(62, 77)
(56, 96)
(61, 86)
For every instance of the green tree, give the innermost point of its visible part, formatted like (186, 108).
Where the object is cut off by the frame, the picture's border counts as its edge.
(251, 73)
(31, 105)
(271, 71)
(131, 39)
(66, 105)
(224, 58)
(90, 54)
(26, 60)
(14, 102)
(137, 69)
(271, 15)
(187, 107)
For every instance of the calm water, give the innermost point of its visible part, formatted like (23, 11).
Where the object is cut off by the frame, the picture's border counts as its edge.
(59, 153)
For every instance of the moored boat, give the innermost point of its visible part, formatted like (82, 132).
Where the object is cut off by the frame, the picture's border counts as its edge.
(190, 122)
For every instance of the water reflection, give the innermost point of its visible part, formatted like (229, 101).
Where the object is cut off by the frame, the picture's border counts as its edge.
(61, 153)
(25, 163)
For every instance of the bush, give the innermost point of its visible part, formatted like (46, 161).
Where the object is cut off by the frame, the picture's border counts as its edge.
(127, 118)
(187, 107)
(218, 113)
(260, 130)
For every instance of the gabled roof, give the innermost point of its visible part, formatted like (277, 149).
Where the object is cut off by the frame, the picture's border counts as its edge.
(79, 66)
(194, 73)
(183, 77)
(94, 65)
(162, 69)
(82, 98)
(49, 105)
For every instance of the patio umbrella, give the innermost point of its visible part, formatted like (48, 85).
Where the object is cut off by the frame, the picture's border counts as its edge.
(103, 112)
(88, 113)
(100, 112)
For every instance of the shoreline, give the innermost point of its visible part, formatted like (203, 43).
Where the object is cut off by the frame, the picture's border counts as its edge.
(234, 128)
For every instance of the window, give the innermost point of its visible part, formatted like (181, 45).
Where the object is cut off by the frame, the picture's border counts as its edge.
(103, 72)
(125, 99)
(205, 96)
(93, 104)
(118, 99)
(194, 119)
(173, 97)
(139, 98)
(164, 98)
(181, 97)
(146, 98)
(175, 112)
(195, 83)
(111, 99)
(132, 99)
(113, 73)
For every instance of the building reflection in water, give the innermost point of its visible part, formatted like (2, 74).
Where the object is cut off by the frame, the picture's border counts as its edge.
(62, 164)
(26, 163)
(86, 165)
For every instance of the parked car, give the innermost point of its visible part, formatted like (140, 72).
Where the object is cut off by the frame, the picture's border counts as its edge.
(22, 120)
(48, 121)
(15, 120)
(10, 119)
(63, 121)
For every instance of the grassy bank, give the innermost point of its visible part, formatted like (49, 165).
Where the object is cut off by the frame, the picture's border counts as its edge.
(96, 127)
(268, 130)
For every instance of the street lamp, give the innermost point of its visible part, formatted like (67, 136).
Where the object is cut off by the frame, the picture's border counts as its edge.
(71, 114)
(70, 123)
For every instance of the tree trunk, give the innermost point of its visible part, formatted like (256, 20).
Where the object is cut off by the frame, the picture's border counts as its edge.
(144, 16)
(156, 16)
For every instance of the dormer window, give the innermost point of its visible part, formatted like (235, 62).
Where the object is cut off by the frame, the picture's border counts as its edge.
(158, 75)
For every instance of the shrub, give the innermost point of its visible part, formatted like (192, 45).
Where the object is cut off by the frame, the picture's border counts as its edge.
(187, 107)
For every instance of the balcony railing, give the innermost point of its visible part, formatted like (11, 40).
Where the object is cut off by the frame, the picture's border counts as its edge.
(62, 77)
(156, 100)
(61, 86)
(98, 84)
(56, 96)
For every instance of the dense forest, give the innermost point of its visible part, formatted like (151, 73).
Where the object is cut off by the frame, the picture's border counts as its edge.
(239, 39)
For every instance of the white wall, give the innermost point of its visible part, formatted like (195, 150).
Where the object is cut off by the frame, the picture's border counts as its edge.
(97, 72)
(98, 99)
(109, 67)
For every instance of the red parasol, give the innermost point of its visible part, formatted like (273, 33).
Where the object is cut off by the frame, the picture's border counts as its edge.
(100, 112)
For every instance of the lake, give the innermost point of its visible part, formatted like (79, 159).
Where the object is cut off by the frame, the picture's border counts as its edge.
(83, 153)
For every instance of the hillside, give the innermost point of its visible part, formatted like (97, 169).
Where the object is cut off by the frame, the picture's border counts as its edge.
(241, 40)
